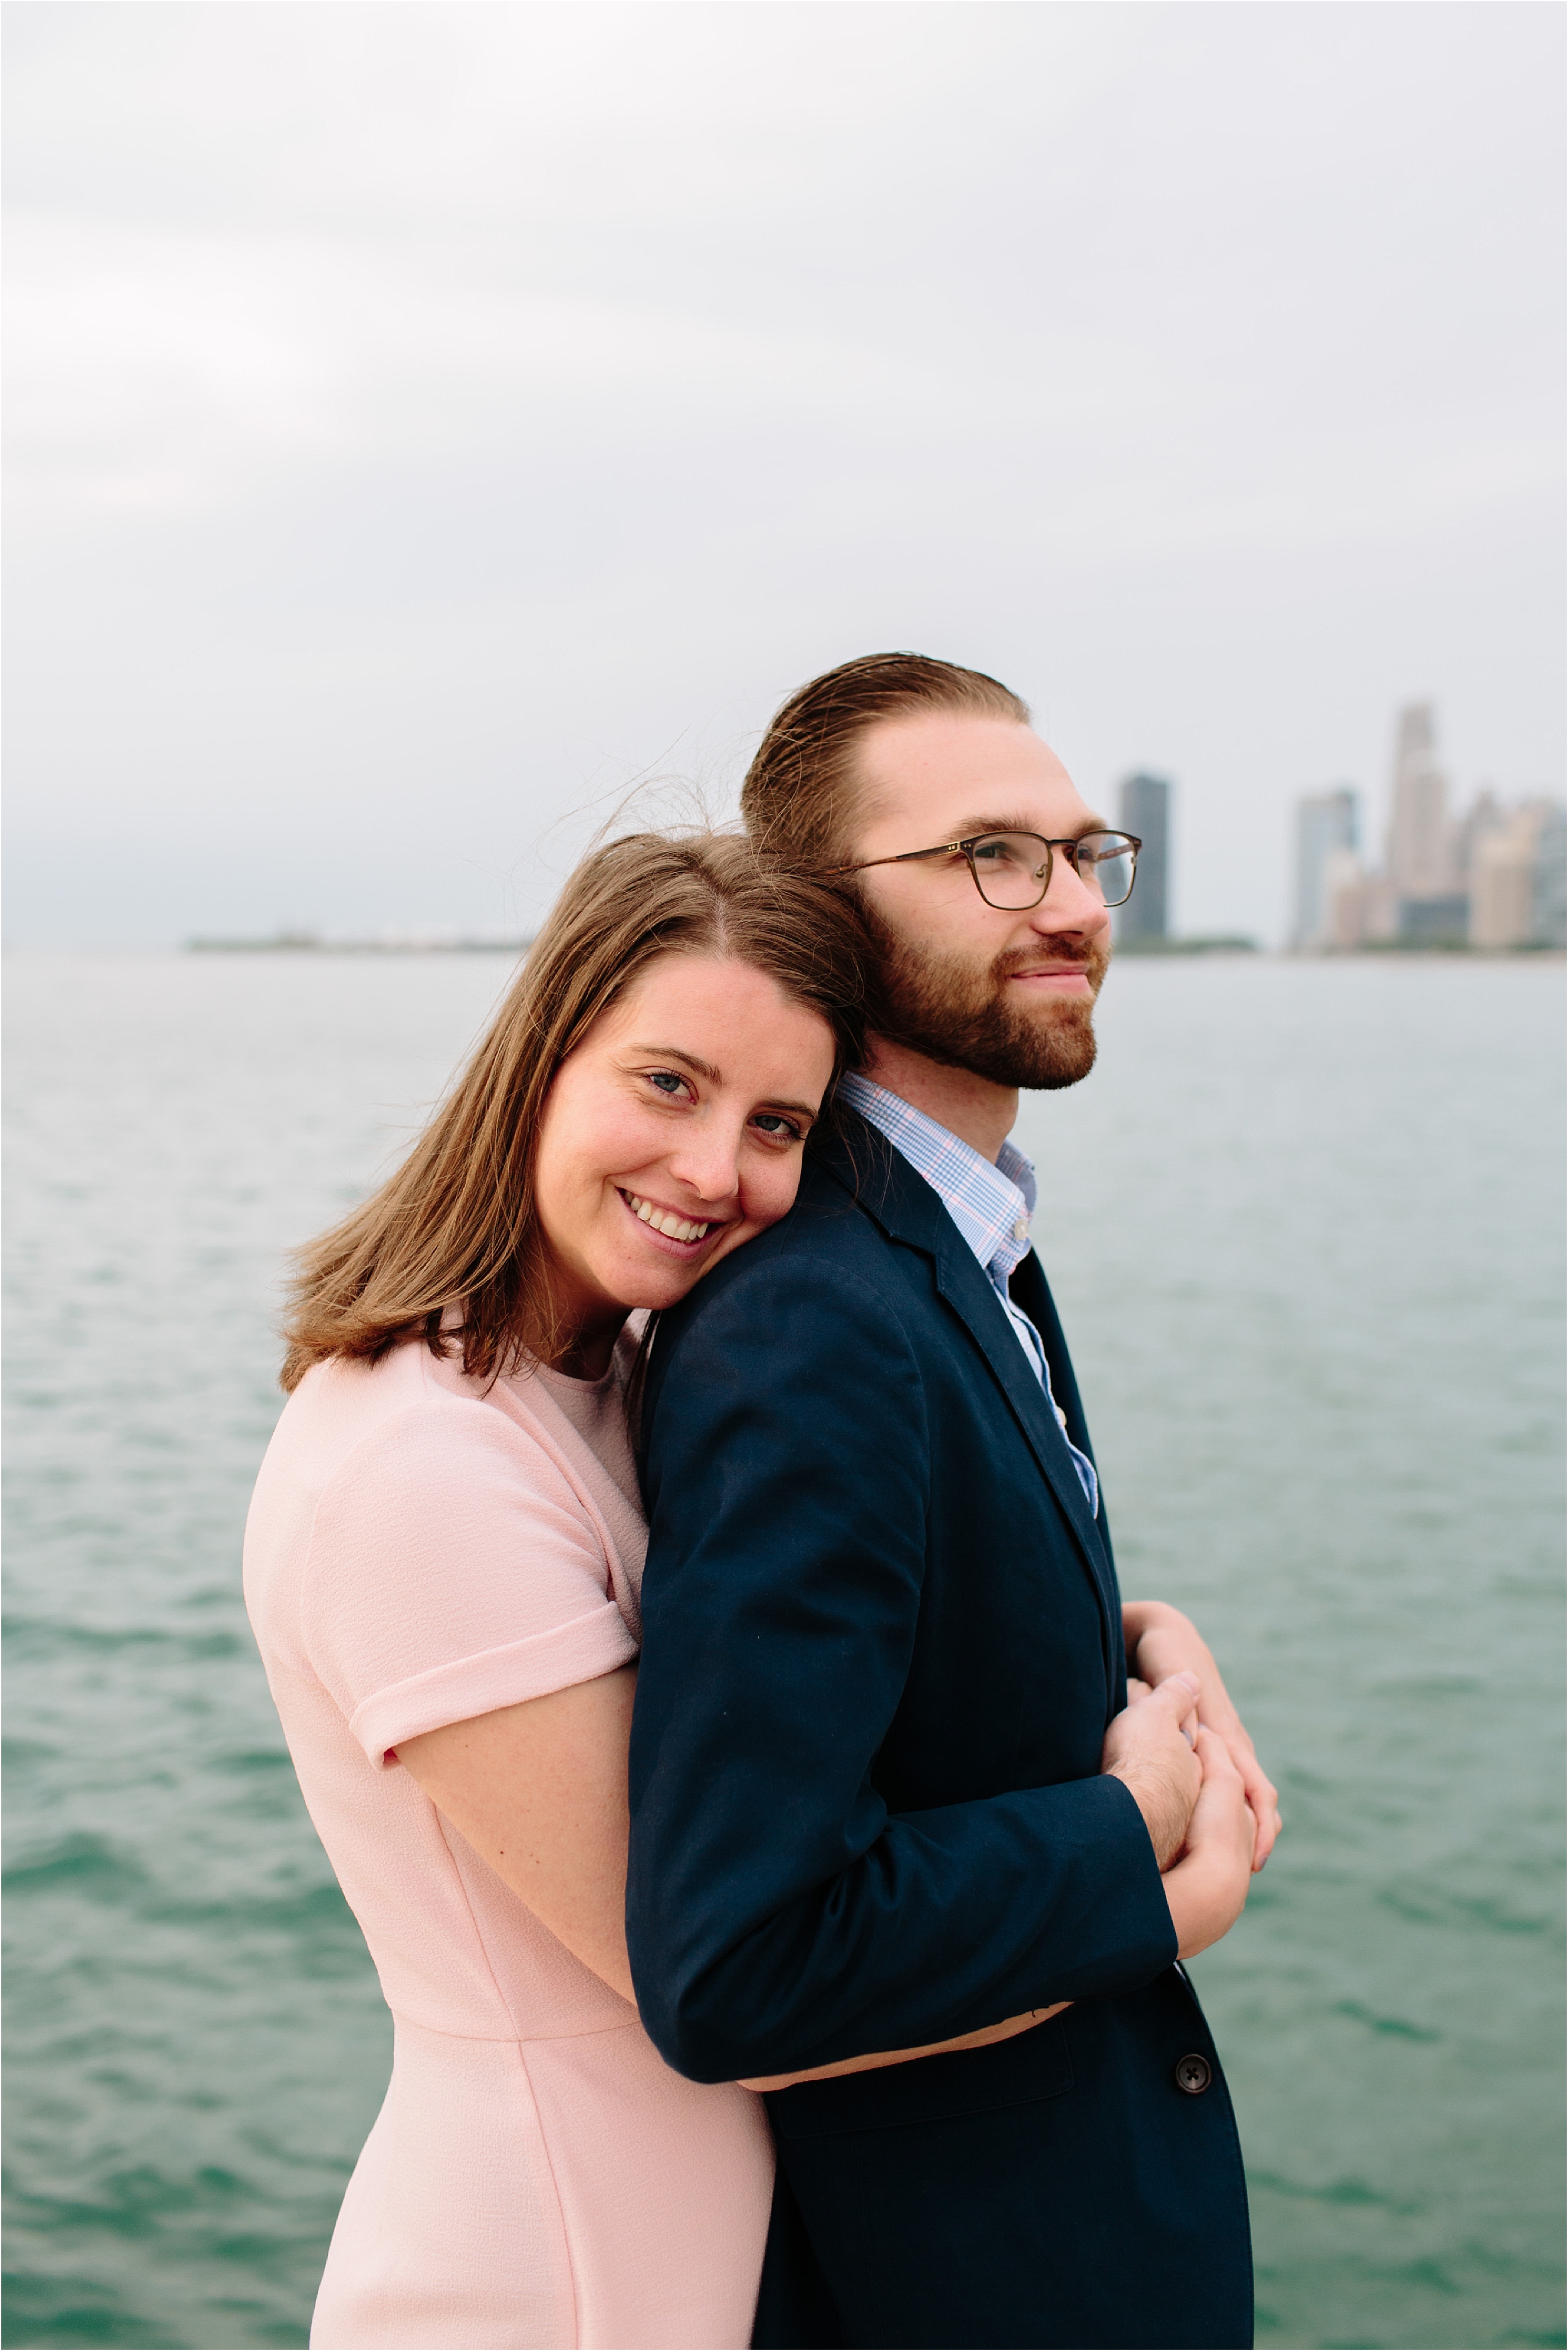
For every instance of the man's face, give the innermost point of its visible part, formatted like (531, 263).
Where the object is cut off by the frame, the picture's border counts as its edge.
(1010, 996)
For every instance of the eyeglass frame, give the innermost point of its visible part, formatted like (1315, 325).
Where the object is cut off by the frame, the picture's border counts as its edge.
(1000, 833)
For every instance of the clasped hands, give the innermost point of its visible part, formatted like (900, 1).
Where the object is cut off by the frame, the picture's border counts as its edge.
(1187, 1759)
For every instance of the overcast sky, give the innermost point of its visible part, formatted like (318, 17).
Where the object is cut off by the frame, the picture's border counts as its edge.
(427, 419)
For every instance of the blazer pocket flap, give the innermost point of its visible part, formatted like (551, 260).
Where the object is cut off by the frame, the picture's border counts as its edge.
(1017, 2072)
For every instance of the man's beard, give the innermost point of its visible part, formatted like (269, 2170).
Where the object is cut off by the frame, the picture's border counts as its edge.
(962, 1015)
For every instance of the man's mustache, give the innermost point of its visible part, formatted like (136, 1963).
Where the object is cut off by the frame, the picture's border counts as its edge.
(1067, 949)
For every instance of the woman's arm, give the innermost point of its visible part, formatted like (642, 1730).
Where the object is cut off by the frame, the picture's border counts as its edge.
(981, 2039)
(1147, 1749)
(539, 1792)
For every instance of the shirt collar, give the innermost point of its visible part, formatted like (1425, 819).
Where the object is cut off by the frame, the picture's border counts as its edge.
(991, 1205)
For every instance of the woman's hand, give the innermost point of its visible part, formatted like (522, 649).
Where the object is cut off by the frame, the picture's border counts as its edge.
(1206, 1889)
(1161, 1641)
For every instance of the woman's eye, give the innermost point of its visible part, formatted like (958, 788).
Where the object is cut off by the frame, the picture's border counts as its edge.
(773, 1122)
(669, 1081)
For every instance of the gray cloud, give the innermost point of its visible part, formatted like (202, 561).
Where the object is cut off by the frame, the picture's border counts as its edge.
(427, 419)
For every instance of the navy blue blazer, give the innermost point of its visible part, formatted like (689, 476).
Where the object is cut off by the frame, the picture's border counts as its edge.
(882, 1645)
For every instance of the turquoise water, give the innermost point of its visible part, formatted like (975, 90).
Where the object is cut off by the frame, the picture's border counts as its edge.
(1304, 1223)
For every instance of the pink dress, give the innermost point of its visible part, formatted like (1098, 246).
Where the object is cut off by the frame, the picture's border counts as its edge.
(420, 1551)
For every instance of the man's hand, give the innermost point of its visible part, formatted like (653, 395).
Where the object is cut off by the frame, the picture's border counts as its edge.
(1160, 1642)
(1206, 1890)
(1148, 1748)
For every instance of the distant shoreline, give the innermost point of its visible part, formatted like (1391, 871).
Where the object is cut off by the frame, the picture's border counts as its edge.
(306, 943)
(1176, 951)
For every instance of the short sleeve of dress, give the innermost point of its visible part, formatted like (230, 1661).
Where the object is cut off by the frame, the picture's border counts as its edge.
(453, 1568)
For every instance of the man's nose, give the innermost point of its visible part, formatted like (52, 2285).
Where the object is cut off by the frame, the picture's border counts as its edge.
(1070, 904)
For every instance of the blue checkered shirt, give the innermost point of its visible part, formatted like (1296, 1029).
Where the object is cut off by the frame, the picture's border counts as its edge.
(991, 1207)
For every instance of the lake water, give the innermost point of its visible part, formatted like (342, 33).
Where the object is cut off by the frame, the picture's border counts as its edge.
(1304, 1222)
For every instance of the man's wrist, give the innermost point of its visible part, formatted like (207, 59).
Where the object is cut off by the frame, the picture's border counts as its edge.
(1157, 1809)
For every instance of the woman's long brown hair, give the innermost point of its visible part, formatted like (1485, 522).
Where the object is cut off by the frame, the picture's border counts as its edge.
(456, 1227)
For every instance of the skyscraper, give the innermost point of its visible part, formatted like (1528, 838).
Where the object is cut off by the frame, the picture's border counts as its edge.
(1516, 879)
(1426, 887)
(1326, 825)
(1146, 811)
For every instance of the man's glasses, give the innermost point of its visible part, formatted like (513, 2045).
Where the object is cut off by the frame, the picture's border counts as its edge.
(1012, 869)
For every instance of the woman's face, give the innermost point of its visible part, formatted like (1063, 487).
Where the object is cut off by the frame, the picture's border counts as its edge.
(673, 1133)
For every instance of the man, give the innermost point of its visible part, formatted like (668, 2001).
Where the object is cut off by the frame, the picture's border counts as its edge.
(888, 1793)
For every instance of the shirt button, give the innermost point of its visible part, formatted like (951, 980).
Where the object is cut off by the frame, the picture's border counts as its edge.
(1020, 1230)
(1194, 2075)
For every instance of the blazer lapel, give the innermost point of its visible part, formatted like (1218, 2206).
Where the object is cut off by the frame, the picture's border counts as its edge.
(968, 1288)
(1030, 1290)
(909, 1210)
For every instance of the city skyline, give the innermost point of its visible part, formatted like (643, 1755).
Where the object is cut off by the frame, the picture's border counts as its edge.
(1491, 877)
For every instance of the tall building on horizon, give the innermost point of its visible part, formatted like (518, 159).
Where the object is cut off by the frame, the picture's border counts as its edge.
(1516, 894)
(1327, 829)
(1420, 838)
(1146, 810)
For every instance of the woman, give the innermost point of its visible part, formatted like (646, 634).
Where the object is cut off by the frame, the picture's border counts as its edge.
(441, 1567)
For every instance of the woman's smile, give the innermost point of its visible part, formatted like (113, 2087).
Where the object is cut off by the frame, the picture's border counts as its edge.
(666, 1225)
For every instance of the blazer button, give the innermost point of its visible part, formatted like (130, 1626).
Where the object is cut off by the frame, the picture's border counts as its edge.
(1194, 2075)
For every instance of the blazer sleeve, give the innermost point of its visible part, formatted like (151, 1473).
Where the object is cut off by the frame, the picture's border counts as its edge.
(778, 1916)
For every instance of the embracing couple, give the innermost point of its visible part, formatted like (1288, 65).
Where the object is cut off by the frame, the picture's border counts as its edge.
(683, 1575)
